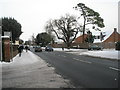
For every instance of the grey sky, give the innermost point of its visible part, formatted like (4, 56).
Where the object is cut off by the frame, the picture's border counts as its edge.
(33, 14)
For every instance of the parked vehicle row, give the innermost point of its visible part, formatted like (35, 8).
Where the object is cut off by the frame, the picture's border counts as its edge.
(95, 47)
(48, 48)
(40, 49)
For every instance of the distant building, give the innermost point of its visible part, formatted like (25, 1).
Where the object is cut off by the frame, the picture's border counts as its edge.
(111, 40)
(80, 39)
(114, 37)
(78, 42)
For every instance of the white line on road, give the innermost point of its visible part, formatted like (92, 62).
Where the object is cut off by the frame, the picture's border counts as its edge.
(59, 55)
(116, 69)
(63, 56)
(82, 61)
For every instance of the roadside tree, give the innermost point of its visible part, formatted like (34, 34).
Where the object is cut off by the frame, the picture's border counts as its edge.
(11, 25)
(90, 38)
(89, 16)
(43, 39)
(66, 28)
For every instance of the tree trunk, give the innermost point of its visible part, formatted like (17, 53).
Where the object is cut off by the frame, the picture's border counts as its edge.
(68, 45)
(83, 40)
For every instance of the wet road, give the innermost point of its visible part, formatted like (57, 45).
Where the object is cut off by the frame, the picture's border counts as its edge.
(84, 71)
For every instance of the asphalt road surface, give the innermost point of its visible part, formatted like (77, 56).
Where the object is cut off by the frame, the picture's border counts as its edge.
(83, 71)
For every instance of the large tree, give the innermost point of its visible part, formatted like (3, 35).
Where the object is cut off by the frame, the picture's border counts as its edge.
(43, 39)
(89, 17)
(11, 25)
(90, 38)
(66, 28)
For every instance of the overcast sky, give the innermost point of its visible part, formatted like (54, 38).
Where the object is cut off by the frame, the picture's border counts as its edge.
(33, 14)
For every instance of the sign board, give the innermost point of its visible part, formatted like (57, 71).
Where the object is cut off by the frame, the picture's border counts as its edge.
(7, 34)
(16, 42)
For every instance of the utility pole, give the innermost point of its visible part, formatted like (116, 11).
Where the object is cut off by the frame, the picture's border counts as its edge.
(0, 40)
(11, 45)
(119, 17)
(0, 53)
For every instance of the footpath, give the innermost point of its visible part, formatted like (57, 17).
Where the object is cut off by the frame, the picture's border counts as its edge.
(30, 71)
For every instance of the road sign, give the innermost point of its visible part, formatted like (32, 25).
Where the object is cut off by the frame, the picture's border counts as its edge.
(7, 34)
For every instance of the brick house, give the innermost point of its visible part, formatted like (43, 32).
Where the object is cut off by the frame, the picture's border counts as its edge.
(78, 42)
(108, 43)
(112, 39)
(79, 39)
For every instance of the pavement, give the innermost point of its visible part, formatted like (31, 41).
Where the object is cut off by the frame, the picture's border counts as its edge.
(30, 71)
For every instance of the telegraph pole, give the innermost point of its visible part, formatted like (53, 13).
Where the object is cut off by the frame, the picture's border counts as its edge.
(0, 40)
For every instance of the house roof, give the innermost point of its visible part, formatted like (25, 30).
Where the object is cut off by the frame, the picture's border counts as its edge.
(114, 37)
(80, 39)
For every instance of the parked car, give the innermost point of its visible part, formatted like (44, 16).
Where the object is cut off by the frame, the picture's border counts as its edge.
(95, 47)
(38, 49)
(48, 48)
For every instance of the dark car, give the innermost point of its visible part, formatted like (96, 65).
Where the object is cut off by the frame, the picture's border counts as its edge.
(95, 47)
(38, 49)
(48, 48)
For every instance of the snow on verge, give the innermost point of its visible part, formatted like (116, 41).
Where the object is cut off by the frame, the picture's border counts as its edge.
(111, 54)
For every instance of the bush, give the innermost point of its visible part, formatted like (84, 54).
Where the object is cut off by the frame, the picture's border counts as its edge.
(117, 47)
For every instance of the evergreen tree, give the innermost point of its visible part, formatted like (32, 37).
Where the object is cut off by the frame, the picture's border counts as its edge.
(89, 17)
(11, 25)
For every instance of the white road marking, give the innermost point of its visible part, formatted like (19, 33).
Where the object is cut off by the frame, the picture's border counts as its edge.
(82, 61)
(116, 69)
(63, 56)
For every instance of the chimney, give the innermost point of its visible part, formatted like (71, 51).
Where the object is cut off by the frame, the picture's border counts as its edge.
(115, 29)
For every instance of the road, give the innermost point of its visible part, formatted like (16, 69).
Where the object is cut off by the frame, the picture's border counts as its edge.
(83, 71)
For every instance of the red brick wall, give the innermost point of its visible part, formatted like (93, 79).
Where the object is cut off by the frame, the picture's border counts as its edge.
(6, 49)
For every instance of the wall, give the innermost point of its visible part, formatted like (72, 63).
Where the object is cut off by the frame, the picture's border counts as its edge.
(6, 49)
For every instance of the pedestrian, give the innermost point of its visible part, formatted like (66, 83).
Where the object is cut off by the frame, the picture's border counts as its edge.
(63, 48)
(20, 49)
(26, 48)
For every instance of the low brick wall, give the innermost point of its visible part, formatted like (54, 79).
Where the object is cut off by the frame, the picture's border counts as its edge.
(86, 45)
(6, 50)
(15, 50)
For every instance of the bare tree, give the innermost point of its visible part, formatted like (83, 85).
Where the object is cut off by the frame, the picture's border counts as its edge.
(66, 28)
